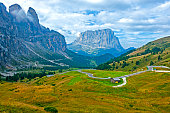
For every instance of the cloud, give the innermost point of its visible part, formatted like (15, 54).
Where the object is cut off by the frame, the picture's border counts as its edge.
(94, 1)
(125, 20)
(135, 22)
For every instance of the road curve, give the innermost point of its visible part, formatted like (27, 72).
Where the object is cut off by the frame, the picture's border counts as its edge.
(91, 75)
(150, 68)
(123, 77)
(124, 83)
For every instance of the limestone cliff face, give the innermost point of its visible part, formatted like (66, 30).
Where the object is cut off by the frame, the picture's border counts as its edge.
(17, 13)
(99, 39)
(5, 18)
(27, 27)
(92, 42)
(33, 21)
(18, 28)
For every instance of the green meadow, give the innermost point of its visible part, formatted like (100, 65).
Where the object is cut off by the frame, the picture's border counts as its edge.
(74, 92)
(106, 73)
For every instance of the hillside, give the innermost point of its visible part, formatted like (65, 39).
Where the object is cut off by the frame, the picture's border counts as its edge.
(75, 92)
(154, 53)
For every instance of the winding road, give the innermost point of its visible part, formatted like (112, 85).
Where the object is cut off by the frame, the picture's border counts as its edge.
(91, 75)
(149, 68)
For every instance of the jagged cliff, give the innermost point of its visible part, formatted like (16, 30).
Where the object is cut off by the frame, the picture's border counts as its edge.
(21, 35)
(97, 43)
(29, 28)
(24, 42)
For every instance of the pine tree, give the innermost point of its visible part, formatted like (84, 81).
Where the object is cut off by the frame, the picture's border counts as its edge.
(151, 63)
(0, 77)
(159, 57)
(137, 62)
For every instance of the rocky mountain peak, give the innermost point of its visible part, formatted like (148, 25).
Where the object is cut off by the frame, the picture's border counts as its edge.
(96, 42)
(104, 38)
(33, 19)
(2, 6)
(4, 17)
(32, 15)
(18, 13)
(14, 7)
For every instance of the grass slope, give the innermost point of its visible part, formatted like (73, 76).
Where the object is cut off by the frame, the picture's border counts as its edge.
(153, 53)
(146, 93)
(106, 73)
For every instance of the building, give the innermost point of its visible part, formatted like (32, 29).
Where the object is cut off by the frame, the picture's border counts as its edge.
(115, 80)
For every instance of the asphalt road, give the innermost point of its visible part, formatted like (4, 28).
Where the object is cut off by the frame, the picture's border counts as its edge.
(150, 68)
(91, 75)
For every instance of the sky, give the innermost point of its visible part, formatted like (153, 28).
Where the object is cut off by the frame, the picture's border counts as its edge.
(135, 22)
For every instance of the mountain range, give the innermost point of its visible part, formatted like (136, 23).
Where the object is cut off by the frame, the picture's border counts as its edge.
(24, 43)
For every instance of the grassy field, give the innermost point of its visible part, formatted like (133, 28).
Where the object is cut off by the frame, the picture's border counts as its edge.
(158, 68)
(74, 92)
(79, 78)
(106, 74)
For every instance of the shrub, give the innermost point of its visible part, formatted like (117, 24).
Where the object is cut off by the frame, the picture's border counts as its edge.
(51, 109)
(151, 63)
(0, 77)
(60, 70)
(159, 57)
(155, 50)
(134, 67)
(70, 90)
(137, 62)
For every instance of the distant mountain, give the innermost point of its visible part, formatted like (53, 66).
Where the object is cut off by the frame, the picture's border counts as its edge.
(24, 43)
(130, 48)
(154, 53)
(98, 42)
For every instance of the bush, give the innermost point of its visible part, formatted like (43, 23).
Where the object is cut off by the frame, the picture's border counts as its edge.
(60, 70)
(70, 90)
(134, 67)
(0, 77)
(151, 63)
(51, 109)
(137, 62)
(155, 50)
(159, 57)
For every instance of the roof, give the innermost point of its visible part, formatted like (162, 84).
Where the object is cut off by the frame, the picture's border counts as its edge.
(116, 78)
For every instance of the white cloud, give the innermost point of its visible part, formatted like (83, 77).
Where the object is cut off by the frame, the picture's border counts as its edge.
(94, 1)
(164, 6)
(125, 20)
(135, 21)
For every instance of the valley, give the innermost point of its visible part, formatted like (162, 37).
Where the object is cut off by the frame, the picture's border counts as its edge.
(147, 92)
(99, 71)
